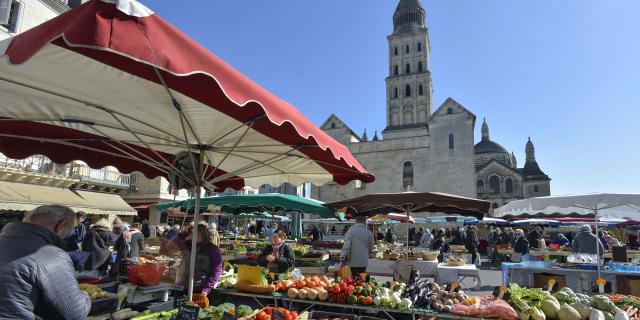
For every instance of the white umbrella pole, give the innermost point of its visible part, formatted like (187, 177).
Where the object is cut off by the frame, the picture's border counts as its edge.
(194, 241)
(595, 214)
(408, 240)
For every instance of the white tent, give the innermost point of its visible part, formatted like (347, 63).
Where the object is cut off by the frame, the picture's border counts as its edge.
(621, 206)
(600, 205)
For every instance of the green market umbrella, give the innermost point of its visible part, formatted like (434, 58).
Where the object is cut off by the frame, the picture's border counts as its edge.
(251, 203)
(260, 216)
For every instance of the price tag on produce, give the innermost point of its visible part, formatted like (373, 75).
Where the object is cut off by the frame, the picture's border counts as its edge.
(601, 283)
(187, 312)
(550, 284)
(502, 291)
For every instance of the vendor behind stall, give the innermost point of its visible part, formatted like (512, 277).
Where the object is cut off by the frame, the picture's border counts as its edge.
(522, 244)
(209, 265)
(585, 242)
(278, 257)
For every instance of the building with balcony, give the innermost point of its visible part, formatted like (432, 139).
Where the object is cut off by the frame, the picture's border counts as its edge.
(36, 180)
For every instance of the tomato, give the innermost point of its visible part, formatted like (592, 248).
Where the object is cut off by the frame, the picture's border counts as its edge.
(302, 284)
(261, 315)
(294, 315)
(269, 310)
(311, 284)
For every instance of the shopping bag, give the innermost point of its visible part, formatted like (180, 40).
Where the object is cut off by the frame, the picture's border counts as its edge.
(345, 272)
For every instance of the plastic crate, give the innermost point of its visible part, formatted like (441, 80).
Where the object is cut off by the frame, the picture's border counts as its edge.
(103, 306)
(318, 315)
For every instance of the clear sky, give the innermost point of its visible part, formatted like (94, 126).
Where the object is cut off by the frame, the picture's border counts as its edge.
(566, 73)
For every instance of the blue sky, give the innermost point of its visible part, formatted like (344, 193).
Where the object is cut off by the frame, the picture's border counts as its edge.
(566, 73)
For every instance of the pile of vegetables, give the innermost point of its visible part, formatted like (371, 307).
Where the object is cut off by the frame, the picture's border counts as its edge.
(528, 302)
(426, 295)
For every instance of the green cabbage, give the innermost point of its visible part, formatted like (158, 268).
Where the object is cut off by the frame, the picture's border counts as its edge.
(582, 309)
(568, 313)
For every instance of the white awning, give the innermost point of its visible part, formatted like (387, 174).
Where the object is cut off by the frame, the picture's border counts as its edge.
(22, 196)
(107, 203)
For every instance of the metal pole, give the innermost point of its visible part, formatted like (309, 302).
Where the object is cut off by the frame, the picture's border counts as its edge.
(595, 214)
(408, 240)
(196, 217)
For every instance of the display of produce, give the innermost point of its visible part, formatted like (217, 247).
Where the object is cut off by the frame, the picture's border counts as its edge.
(486, 307)
(94, 292)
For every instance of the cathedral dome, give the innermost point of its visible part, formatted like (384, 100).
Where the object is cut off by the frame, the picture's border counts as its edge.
(488, 146)
(486, 150)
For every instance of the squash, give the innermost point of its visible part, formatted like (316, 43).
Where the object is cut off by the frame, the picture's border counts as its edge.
(292, 293)
(312, 294)
(323, 295)
(245, 286)
(302, 294)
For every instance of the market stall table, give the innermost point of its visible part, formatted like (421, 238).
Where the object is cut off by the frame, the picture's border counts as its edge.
(275, 297)
(580, 280)
(450, 274)
(378, 267)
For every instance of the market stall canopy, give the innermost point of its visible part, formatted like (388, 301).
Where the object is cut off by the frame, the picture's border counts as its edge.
(112, 83)
(262, 216)
(400, 217)
(623, 206)
(537, 222)
(24, 197)
(383, 203)
(488, 221)
(445, 219)
(250, 203)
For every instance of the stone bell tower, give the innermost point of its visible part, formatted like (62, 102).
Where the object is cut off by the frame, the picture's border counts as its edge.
(409, 86)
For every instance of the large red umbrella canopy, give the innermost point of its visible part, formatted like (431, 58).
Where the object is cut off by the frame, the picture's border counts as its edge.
(112, 83)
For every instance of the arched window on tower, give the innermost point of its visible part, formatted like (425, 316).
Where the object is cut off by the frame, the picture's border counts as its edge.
(420, 90)
(407, 175)
(494, 184)
(406, 49)
(451, 142)
(407, 68)
(395, 70)
(508, 185)
(419, 46)
(395, 51)
(419, 66)
(480, 186)
(407, 91)
(395, 92)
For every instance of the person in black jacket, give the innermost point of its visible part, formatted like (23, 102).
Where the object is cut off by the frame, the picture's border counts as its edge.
(97, 241)
(278, 257)
(37, 278)
(75, 239)
(439, 243)
(521, 245)
(471, 243)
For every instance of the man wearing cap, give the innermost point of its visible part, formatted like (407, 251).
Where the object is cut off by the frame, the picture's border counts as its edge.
(521, 244)
(586, 242)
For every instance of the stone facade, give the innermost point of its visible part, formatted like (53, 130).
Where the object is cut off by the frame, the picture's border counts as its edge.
(26, 14)
(425, 151)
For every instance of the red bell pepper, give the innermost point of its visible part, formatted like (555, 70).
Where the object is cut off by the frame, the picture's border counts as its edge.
(341, 298)
(332, 297)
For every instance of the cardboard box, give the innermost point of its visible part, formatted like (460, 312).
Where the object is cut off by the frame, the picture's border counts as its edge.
(628, 285)
(541, 279)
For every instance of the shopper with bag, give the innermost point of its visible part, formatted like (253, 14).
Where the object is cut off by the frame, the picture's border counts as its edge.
(358, 243)
(128, 248)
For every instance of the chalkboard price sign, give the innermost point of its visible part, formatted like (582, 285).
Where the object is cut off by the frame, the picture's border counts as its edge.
(180, 301)
(187, 312)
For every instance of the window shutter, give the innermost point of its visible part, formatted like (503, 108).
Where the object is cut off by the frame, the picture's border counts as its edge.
(5, 11)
